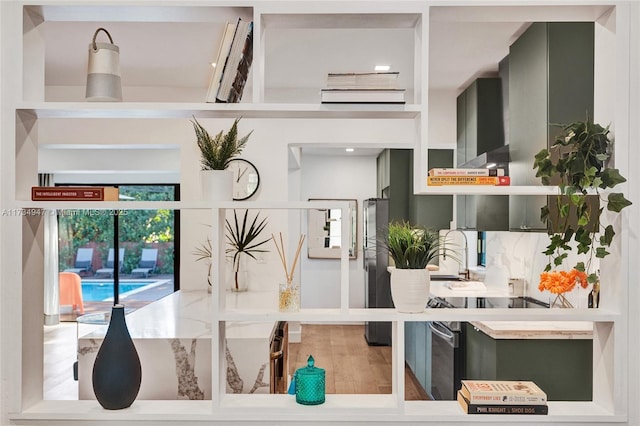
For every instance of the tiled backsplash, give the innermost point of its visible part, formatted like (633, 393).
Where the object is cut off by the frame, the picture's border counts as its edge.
(521, 253)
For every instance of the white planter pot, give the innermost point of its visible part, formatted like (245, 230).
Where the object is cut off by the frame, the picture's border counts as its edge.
(410, 289)
(217, 185)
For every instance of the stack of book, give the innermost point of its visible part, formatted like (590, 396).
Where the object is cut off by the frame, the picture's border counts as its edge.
(452, 176)
(233, 63)
(74, 193)
(367, 87)
(502, 397)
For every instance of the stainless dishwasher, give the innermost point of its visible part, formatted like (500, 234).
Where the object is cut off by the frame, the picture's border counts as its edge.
(447, 355)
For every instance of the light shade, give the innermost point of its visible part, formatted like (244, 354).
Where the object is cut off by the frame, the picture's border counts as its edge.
(103, 73)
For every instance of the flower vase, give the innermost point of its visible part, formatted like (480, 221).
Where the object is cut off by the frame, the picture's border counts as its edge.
(117, 373)
(289, 297)
(561, 301)
(240, 275)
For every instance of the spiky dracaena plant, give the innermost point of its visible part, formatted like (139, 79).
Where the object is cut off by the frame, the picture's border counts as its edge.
(243, 239)
(215, 152)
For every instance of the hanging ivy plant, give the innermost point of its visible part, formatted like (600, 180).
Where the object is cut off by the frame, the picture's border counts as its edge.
(577, 163)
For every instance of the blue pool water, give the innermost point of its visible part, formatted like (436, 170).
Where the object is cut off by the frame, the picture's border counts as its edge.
(100, 290)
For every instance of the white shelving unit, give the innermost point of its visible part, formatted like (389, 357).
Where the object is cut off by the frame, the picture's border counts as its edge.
(23, 104)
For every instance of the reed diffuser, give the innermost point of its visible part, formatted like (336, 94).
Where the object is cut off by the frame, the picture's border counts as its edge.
(289, 292)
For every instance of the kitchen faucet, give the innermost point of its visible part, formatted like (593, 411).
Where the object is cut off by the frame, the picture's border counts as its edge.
(466, 251)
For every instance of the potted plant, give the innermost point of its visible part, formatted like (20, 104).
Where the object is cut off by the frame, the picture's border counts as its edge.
(204, 252)
(411, 248)
(577, 163)
(243, 240)
(215, 153)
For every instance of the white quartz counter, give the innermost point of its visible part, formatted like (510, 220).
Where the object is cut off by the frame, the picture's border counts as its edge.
(447, 289)
(173, 339)
(536, 329)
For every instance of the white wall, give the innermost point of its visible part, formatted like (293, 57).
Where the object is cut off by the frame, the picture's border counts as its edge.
(268, 149)
(335, 177)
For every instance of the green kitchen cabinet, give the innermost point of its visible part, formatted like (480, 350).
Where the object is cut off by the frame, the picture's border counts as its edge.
(418, 352)
(395, 182)
(561, 367)
(551, 81)
(480, 129)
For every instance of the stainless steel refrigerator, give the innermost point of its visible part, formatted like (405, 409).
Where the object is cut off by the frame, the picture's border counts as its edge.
(376, 260)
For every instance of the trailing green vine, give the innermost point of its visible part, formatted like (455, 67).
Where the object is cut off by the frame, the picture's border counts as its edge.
(577, 163)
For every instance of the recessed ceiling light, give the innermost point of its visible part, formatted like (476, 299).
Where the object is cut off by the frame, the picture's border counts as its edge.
(213, 64)
(491, 165)
(382, 67)
(349, 149)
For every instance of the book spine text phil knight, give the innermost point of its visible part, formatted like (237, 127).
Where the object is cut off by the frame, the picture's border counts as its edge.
(507, 409)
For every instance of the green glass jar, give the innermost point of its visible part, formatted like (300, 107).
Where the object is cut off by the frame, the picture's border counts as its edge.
(309, 384)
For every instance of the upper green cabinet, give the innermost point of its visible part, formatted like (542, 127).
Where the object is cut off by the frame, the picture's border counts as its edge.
(395, 182)
(480, 129)
(479, 119)
(551, 81)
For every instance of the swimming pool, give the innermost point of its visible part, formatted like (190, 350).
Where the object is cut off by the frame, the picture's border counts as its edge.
(101, 290)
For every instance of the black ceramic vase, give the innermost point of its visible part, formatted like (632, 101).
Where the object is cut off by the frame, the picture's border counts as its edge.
(117, 373)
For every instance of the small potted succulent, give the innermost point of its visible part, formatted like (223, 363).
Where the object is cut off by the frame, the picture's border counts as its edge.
(215, 154)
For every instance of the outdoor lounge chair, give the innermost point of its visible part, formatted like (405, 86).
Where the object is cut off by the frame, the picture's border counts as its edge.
(84, 257)
(108, 269)
(71, 291)
(147, 263)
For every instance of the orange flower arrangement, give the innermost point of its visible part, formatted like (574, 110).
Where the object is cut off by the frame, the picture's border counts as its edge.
(559, 282)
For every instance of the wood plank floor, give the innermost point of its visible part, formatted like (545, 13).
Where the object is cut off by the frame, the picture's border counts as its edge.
(351, 365)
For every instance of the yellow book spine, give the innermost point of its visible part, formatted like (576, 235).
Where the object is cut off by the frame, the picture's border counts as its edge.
(468, 180)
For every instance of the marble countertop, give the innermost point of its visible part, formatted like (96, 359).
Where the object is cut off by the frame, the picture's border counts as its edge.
(186, 314)
(441, 289)
(536, 329)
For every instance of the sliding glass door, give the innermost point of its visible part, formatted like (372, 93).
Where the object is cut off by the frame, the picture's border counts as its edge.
(148, 258)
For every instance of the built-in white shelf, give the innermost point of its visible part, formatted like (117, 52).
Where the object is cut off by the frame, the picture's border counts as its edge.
(176, 205)
(442, 412)
(490, 190)
(274, 408)
(390, 314)
(216, 110)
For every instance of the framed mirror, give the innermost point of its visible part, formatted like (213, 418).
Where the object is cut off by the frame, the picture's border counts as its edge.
(325, 231)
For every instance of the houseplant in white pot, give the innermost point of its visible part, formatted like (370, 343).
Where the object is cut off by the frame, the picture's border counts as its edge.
(411, 248)
(215, 153)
